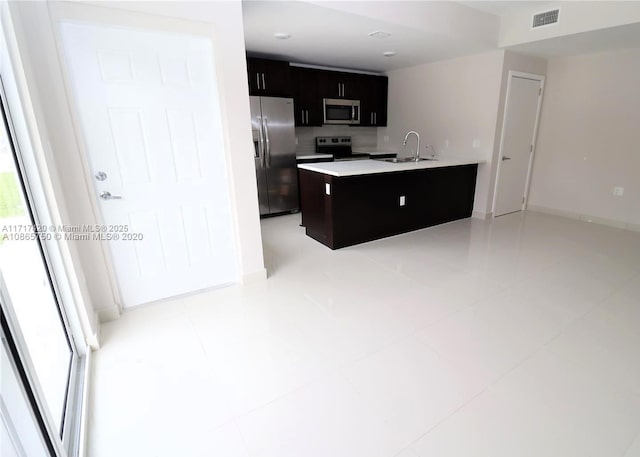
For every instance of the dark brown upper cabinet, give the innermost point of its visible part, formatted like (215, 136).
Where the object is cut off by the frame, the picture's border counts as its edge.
(338, 84)
(373, 101)
(306, 97)
(269, 77)
(309, 86)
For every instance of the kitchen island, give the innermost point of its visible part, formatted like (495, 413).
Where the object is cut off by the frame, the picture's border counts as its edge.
(346, 203)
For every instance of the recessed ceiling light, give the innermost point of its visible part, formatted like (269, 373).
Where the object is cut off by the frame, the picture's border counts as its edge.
(389, 53)
(281, 35)
(379, 34)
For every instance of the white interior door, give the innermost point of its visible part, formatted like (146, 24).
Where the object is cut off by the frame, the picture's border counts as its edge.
(518, 140)
(149, 111)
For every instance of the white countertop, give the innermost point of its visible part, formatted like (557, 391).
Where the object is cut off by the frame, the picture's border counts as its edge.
(368, 167)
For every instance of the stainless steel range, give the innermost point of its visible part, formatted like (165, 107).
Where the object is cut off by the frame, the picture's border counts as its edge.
(339, 147)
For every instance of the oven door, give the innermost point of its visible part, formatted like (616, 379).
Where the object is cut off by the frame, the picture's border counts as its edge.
(338, 111)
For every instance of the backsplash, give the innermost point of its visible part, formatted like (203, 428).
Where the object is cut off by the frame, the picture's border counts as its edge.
(361, 137)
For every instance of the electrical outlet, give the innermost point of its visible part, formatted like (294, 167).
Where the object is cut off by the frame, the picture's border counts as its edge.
(446, 144)
(618, 191)
(385, 138)
(402, 200)
(476, 144)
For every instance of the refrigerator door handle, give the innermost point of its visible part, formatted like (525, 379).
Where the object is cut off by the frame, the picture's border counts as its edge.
(265, 123)
(261, 142)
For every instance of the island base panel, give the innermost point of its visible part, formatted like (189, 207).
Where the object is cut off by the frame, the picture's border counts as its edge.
(343, 211)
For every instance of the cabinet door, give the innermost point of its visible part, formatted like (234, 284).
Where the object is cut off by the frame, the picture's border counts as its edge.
(277, 81)
(269, 77)
(368, 101)
(337, 84)
(373, 100)
(254, 73)
(307, 100)
(381, 90)
(328, 84)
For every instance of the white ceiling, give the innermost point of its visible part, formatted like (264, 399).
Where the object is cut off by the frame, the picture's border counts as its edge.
(326, 34)
(335, 33)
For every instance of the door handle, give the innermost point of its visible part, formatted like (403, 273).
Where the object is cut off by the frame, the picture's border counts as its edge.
(264, 86)
(106, 195)
(268, 142)
(505, 158)
(261, 140)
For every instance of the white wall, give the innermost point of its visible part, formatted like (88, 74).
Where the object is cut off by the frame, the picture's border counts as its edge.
(575, 17)
(451, 104)
(589, 139)
(40, 54)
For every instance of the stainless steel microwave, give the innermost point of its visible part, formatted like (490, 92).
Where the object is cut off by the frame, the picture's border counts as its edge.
(340, 111)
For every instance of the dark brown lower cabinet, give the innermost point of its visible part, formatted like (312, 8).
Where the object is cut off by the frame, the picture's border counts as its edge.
(343, 211)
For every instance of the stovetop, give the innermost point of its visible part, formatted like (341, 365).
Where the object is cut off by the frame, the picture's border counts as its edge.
(339, 147)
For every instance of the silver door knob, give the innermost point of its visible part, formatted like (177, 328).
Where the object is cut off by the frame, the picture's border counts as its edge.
(106, 195)
(506, 158)
(101, 176)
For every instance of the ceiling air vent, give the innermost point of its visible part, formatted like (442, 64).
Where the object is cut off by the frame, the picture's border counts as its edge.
(546, 18)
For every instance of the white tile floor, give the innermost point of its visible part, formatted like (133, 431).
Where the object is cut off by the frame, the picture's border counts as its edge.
(513, 337)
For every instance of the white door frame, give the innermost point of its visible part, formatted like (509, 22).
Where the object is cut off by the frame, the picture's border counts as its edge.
(114, 17)
(534, 77)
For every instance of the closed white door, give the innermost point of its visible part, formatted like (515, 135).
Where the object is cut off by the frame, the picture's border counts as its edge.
(149, 112)
(518, 139)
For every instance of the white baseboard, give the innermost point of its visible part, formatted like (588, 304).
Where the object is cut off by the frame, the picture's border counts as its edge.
(259, 275)
(585, 217)
(481, 215)
(108, 314)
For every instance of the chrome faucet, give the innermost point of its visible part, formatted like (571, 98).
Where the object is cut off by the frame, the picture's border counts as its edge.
(404, 143)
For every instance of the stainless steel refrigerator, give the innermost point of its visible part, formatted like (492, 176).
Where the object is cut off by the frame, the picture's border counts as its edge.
(274, 142)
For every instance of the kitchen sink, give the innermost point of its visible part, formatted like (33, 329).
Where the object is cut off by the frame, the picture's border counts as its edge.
(406, 159)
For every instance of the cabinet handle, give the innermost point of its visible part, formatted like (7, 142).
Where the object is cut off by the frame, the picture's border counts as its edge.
(307, 117)
(343, 90)
(338, 89)
(258, 80)
(302, 116)
(264, 86)
(375, 118)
